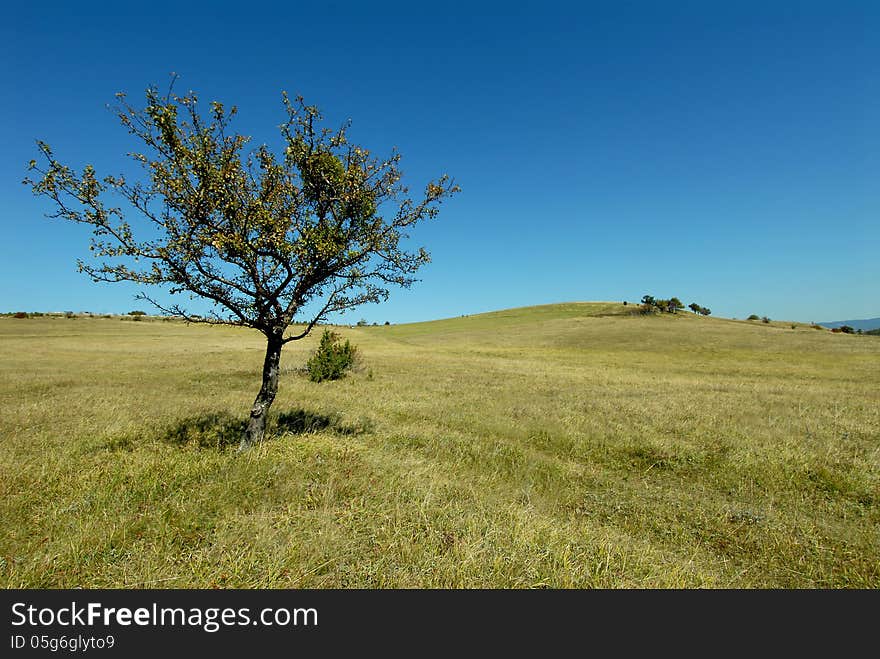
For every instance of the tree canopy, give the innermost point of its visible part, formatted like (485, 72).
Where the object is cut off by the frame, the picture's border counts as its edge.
(265, 238)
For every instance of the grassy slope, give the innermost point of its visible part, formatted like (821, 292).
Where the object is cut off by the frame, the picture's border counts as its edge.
(565, 445)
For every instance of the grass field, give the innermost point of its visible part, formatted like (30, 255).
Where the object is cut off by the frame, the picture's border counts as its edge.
(569, 445)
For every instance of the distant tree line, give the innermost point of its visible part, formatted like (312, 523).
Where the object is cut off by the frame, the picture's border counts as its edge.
(650, 304)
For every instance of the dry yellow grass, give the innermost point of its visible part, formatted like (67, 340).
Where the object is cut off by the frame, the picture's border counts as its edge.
(564, 446)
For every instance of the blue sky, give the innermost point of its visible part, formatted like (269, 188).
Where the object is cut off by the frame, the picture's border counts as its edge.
(726, 153)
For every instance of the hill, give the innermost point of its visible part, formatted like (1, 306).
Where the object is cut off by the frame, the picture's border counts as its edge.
(864, 324)
(568, 445)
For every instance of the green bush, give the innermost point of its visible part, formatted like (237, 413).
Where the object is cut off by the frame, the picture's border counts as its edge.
(332, 358)
(753, 317)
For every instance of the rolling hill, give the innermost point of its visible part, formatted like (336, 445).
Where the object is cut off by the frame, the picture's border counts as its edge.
(864, 324)
(570, 446)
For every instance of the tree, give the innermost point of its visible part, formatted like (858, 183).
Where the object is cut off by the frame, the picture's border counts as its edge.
(674, 305)
(264, 239)
(696, 308)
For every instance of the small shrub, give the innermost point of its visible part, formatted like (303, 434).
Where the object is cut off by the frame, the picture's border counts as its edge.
(137, 312)
(765, 319)
(332, 358)
(846, 329)
(754, 317)
(21, 314)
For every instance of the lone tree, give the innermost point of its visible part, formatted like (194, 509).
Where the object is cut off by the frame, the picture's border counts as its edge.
(264, 239)
(674, 305)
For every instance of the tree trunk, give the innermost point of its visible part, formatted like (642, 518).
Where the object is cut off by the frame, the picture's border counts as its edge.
(259, 412)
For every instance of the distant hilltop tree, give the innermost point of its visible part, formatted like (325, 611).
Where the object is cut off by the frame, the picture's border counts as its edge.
(696, 308)
(650, 304)
(263, 238)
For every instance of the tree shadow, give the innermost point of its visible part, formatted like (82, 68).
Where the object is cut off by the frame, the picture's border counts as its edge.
(212, 430)
(221, 430)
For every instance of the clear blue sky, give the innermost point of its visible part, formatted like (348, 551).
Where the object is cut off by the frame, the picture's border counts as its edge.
(727, 153)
